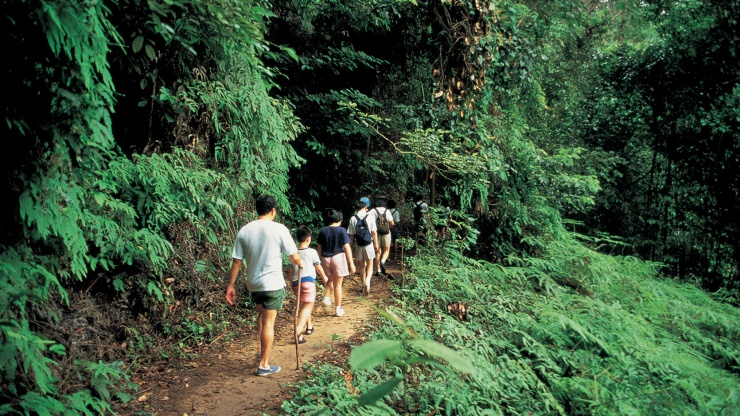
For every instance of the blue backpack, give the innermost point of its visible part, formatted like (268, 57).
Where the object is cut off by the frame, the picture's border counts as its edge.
(363, 236)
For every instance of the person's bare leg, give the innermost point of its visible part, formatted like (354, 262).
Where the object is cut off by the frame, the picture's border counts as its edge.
(337, 282)
(384, 253)
(260, 310)
(329, 289)
(304, 318)
(368, 274)
(362, 269)
(267, 335)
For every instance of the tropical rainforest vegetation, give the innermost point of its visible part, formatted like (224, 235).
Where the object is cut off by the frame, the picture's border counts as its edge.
(588, 151)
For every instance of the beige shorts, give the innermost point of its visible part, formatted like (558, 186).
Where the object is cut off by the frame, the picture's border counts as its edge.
(384, 240)
(364, 252)
(336, 265)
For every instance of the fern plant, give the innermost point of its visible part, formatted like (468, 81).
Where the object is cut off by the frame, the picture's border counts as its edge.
(572, 332)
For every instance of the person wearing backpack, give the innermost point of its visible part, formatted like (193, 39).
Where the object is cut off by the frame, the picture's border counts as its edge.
(420, 211)
(396, 230)
(363, 237)
(384, 224)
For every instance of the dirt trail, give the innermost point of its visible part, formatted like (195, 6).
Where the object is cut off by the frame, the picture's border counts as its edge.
(222, 380)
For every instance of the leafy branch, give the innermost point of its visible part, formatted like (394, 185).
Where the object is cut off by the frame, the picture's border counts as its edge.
(441, 150)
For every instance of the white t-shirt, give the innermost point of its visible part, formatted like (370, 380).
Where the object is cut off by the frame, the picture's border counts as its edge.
(422, 206)
(310, 259)
(374, 213)
(260, 245)
(396, 216)
(370, 222)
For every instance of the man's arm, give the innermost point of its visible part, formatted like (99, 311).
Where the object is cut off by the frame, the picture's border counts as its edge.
(295, 258)
(236, 265)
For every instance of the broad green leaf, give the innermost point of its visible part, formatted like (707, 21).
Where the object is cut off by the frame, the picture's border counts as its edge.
(373, 353)
(378, 392)
(137, 44)
(437, 350)
(149, 49)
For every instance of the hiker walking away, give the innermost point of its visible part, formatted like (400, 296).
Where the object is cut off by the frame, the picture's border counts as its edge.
(383, 224)
(307, 283)
(420, 211)
(442, 220)
(335, 252)
(261, 244)
(364, 240)
(396, 230)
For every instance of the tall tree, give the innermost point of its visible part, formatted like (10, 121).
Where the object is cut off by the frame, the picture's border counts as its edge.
(667, 114)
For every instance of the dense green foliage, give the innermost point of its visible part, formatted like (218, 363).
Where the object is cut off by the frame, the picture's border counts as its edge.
(142, 130)
(571, 332)
(650, 88)
(103, 187)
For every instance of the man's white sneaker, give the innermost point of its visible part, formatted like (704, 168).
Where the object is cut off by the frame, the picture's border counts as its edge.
(339, 311)
(327, 301)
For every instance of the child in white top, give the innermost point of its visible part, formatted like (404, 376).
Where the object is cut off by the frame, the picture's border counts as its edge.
(307, 281)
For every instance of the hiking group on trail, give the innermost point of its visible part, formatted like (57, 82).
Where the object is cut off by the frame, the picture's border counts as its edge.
(261, 244)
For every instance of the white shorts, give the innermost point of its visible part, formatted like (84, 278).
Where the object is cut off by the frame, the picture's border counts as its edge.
(336, 265)
(364, 252)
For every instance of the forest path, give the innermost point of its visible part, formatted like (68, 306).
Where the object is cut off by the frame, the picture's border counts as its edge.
(221, 382)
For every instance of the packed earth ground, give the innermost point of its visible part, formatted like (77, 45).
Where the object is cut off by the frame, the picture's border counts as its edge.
(221, 381)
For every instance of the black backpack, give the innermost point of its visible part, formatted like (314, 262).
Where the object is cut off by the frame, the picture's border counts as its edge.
(417, 212)
(363, 236)
(382, 222)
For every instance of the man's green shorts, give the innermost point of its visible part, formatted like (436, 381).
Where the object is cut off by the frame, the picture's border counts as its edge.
(270, 299)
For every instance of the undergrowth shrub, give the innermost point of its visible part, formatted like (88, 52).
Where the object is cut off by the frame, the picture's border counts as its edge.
(97, 218)
(572, 332)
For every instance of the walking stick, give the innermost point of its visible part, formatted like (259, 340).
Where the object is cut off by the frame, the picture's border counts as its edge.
(295, 321)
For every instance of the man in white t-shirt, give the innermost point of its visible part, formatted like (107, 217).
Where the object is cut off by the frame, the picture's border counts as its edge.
(260, 245)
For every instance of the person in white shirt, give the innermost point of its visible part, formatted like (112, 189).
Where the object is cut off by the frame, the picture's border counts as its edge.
(364, 250)
(420, 212)
(396, 230)
(305, 279)
(261, 244)
(384, 224)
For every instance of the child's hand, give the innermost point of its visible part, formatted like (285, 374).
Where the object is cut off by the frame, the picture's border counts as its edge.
(325, 279)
